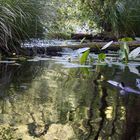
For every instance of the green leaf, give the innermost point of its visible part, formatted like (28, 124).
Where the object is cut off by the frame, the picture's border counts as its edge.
(84, 57)
(101, 57)
(126, 39)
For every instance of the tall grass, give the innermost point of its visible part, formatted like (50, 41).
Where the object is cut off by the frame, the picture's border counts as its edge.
(19, 19)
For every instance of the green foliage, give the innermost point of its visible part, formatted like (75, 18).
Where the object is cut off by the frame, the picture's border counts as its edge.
(126, 39)
(84, 57)
(65, 18)
(118, 17)
(101, 57)
(124, 49)
(19, 20)
(124, 52)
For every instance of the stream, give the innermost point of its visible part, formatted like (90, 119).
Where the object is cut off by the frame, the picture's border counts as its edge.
(45, 100)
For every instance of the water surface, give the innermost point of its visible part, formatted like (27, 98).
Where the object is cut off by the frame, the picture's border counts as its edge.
(43, 100)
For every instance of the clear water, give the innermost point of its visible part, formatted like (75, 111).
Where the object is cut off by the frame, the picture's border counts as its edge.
(45, 101)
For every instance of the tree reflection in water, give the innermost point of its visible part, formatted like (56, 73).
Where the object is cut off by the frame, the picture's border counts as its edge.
(43, 100)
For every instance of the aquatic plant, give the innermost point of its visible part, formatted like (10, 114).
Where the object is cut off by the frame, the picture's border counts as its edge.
(84, 57)
(101, 57)
(124, 49)
(124, 52)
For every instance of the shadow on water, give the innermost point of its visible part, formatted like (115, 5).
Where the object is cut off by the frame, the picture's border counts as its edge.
(102, 110)
(43, 100)
(103, 104)
(132, 126)
(33, 128)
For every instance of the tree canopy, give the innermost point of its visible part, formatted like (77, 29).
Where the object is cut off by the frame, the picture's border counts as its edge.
(119, 17)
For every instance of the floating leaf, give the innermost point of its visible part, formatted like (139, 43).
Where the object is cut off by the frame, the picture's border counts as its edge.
(135, 53)
(107, 45)
(84, 57)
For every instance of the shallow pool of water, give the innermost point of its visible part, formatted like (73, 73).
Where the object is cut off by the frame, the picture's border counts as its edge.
(43, 100)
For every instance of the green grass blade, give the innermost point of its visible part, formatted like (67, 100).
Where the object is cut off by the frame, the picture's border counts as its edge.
(84, 57)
